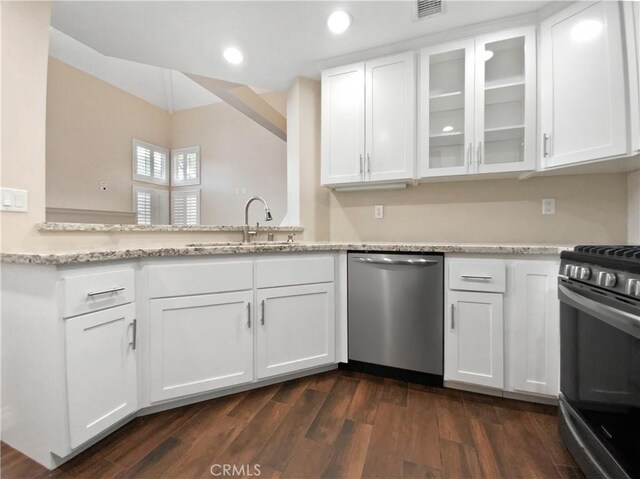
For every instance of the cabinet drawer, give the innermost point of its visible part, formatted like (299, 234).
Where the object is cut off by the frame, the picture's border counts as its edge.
(477, 275)
(199, 278)
(271, 273)
(86, 292)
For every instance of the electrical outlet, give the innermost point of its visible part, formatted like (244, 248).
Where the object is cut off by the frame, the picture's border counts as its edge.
(379, 212)
(549, 206)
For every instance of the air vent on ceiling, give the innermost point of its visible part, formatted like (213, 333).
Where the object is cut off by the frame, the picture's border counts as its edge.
(428, 8)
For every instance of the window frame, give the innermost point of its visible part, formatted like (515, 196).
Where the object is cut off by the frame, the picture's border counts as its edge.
(174, 166)
(152, 149)
(160, 204)
(185, 192)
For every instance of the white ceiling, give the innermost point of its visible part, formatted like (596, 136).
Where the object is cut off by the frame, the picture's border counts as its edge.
(280, 39)
(167, 89)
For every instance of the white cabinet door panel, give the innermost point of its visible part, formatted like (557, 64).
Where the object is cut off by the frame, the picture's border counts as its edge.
(583, 100)
(200, 343)
(296, 328)
(101, 371)
(446, 126)
(390, 107)
(343, 124)
(535, 328)
(505, 101)
(474, 350)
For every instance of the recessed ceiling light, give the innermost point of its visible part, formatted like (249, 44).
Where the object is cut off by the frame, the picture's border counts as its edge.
(586, 30)
(488, 55)
(447, 128)
(233, 55)
(339, 21)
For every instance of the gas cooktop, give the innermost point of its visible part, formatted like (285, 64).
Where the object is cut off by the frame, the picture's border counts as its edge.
(615, 268)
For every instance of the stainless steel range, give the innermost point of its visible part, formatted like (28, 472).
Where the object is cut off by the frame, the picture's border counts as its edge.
(599, 291)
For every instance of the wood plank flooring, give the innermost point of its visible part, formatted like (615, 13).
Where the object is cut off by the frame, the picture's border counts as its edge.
(334, 425)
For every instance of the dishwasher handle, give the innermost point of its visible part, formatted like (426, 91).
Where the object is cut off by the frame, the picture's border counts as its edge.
(404, 262)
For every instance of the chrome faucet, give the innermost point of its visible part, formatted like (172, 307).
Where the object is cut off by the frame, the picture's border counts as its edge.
(246, 234)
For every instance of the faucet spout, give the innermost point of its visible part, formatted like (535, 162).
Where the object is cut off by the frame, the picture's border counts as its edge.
(267, 216)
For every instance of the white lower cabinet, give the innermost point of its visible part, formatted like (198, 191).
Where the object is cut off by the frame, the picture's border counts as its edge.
(535, 328)
(217, 337)
(200, 343)
(474, 339)
(296, 328)
(507, 338)
(101, 370)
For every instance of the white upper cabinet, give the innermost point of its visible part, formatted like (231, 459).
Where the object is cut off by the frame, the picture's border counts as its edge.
(368, 114)
(477, 110)
(505, 101)
(389, 107)
(446, 120)
(584, 104)
(343, 125)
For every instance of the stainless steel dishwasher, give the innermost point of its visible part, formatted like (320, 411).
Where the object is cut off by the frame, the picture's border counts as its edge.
(396, 315)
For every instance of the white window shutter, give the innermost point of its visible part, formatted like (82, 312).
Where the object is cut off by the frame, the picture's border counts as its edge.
(151, 205)
(185, 207)
(143, 207)
(185, 166)
(150, 163)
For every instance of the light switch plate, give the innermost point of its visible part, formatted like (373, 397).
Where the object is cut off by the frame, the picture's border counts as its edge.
(14, 200)
(549, 206)
(379, 212)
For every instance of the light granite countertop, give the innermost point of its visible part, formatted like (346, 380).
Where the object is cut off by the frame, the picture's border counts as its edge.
(206, 249)
(98, 227)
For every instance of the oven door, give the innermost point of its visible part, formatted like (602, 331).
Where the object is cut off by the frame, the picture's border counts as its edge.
(600, 367)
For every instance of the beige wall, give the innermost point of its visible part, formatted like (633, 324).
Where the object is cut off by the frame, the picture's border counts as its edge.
(90, 127)
(236, 153)
(590, 209)
(25, 45)
(309, 202)
(633, 207)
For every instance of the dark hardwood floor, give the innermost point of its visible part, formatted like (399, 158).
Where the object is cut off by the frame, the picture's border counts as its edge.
(334, 425)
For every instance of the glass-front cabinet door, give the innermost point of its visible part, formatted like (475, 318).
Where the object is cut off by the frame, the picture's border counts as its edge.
(478, 105)
(505, 101)
(446, 109)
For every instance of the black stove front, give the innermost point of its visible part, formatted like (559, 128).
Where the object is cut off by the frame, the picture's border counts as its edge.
(599, 291)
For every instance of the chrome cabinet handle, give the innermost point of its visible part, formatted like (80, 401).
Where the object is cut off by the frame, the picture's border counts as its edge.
(479, 160)
(453, 321)
(361, 164)
(249, 315)
(134, 341)
(262, 319)
(408, 262)
(545, 145)
(106, 291)
(368, 163)
(476, 276)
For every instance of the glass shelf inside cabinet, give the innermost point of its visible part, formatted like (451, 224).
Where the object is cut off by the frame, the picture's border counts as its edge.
(504, 100)
(446, 109)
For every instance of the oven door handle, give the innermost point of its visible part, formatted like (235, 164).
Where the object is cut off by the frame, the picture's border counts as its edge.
(622, 320)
